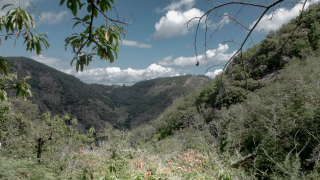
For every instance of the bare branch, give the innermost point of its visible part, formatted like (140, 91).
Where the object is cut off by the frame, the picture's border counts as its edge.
(265, 152)
(215, 8)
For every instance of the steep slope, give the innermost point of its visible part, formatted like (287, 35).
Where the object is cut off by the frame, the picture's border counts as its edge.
(59, 93)
(266, 120)
(94, 104)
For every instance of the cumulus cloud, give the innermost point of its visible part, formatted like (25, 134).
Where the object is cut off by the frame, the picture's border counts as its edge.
(188, 4)
(135, 44)
(214, 73)
(117, 76)
(173, 23)
(109, 75)
(283, 15)
(51, 18)
(215, 56)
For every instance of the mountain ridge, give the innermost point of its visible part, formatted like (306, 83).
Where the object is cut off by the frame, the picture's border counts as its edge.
(95, 104)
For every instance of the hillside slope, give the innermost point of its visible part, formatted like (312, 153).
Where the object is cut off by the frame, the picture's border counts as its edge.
(94, 104)
(264, 121)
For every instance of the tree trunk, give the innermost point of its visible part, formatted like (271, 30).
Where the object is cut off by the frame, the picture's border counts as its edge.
(40, 144)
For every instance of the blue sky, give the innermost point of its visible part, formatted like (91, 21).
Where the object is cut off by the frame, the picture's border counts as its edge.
(157, 43)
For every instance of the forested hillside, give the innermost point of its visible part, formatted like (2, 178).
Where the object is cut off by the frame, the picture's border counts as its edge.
(259, 119)
(264, 121)
(94, 104)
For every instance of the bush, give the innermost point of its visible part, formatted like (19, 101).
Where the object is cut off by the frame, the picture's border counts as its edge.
(23, 169)
(298, 46)
(314, 34)
(268, 45)
(240, 76)
(235, 95)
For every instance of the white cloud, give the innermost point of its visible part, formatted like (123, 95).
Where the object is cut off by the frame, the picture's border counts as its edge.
(283, 15)
(214, 74)
(109, 75)
(188, 46)
(215, 56)
(188, 4)
(51, 61)
(51, 18)
(135, 44)
(117, 76)
(173, 23)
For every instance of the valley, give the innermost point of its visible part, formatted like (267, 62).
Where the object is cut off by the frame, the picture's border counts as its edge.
(94, 104)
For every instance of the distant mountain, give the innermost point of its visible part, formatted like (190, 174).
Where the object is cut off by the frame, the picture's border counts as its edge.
(95, 104)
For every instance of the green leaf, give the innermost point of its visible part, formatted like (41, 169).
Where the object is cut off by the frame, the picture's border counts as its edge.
(89, 8)
(81, 5)
(4, 64)
(110, 55)
(82, 67)
(75, 24)
(5, 71)
(7, 5)
(89, 43)
(109, 5)
(30, 93)
(38, 48)
(74, 8)
(95, 12)
(87, 17)
(72, 60)
(87, 30)
(36, 13)
(83, 36)
(77, 66)
(18, 91)
(61, 2)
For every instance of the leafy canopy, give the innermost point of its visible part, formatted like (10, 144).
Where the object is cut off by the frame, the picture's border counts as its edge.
(105, 38)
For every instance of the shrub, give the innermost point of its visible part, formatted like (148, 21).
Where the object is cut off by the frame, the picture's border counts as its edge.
(240, 76)
(268, 45)
(234, 95)
(298, 46)
(314, 34)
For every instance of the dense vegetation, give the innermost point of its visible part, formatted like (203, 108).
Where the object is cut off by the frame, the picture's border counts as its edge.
(265, 126)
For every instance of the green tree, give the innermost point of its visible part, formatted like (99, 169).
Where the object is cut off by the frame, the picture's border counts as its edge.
(49, 132)
(267, 46)
(314, 34)
(298, 46)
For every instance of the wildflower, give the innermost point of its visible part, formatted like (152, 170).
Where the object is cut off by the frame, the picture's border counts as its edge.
(147, 175)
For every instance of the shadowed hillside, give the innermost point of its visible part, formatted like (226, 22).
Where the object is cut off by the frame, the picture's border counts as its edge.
(95, 104)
